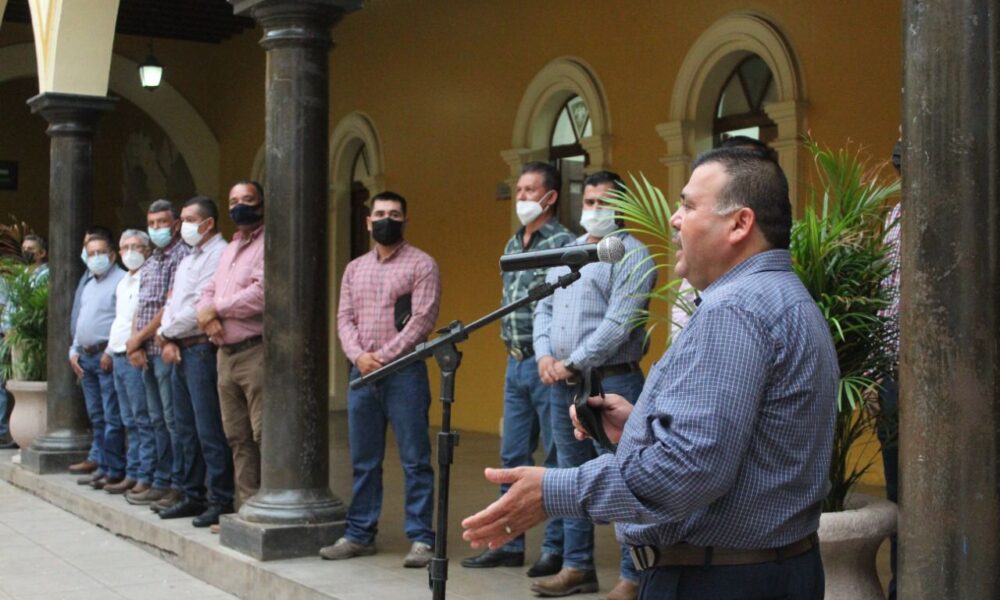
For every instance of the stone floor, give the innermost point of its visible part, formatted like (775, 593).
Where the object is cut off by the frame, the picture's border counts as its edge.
(161, 548)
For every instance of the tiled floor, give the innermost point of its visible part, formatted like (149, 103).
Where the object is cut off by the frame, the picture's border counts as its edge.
(48, 553)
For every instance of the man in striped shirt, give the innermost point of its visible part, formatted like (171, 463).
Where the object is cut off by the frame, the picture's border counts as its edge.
(389, 301)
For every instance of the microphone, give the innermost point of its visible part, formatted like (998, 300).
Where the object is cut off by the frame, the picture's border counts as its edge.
(608, 250)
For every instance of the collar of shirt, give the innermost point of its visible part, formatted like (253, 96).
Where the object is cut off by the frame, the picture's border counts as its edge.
(769, 260)
(547, 230)
(246, 238)
(395, 252)
(212, 240)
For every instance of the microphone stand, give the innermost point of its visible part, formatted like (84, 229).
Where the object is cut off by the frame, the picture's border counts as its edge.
(444, 349)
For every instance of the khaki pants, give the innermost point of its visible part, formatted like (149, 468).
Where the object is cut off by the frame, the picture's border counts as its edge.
(241, 396)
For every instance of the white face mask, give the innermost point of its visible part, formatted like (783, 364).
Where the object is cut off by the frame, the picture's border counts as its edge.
(83, 255)
(132, 259)
(529, 210)
(99, 264)
(598, 222)
(190, 233)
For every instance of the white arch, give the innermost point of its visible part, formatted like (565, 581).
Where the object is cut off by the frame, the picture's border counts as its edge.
(351, 133)
(165, 106)
(709, 61)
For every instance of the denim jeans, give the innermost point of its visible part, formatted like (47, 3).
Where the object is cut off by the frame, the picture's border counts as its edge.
(579, 533)
(525, 417)
(157, 378)
(135, 415)
(198, 424)
(105, 419)
(888, 437)
(402, 400)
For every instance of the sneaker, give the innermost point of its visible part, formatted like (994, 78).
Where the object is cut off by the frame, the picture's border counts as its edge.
(345, 548)
(419, 555)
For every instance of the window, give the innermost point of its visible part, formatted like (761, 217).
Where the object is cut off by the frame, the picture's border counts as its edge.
(360, 242)
(572, 124)
(740, 107)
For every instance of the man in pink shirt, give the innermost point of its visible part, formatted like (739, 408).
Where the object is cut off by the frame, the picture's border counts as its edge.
(231, 313)
(389, 301)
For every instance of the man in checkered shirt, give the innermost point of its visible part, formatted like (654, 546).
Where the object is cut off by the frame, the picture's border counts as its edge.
(722, 466)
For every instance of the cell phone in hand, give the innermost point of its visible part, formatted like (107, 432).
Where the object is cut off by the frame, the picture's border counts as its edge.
(591, 418)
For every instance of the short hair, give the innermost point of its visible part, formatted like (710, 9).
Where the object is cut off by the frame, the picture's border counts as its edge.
(392, 197)
(755, 182)
(206, 207)
(603, 177)
(34, 237)
(162, 205)
(135, 233)
(101, 229)
(551, 180)
(257, 186)
(745, 141)
(98, 236)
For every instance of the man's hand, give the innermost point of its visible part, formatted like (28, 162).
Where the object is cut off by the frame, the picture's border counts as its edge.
(544, 366)
(559, 372)
(138, 359)
(171, 353)
(206, 316)
(132, 345)
(160, 341)
(515, 512)
(367, 363)
(213, 329)
(615, 410)
(106, 362)
(74, 363)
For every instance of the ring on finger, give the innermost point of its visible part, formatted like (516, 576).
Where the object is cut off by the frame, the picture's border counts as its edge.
(508, 529)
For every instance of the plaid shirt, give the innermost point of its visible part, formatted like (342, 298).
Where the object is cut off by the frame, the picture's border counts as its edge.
(730, 442)
(156, 277)
(368, 294)
(891, 282)
(516, 328)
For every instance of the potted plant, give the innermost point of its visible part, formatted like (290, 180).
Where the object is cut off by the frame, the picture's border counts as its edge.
(838, 253)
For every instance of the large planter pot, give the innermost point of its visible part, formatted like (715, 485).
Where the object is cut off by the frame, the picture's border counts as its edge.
(848, 542)
(28, 419)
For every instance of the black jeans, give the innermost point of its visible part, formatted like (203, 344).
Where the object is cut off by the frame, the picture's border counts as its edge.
(888, 436)
(797, 578)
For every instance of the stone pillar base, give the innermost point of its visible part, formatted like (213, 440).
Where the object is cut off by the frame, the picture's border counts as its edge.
(45, 462)
(265, 541)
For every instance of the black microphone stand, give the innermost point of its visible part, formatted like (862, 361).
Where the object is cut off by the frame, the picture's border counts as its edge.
(444, 349)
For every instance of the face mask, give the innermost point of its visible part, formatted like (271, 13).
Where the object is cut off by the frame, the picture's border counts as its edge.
(598, 222)
(98, 264)
(133, 260)
(528, 211)
(83, 255)
(29, 257)
(160, 237)
(244, 214)
(897, 156)
(387, 231)
(190, 233)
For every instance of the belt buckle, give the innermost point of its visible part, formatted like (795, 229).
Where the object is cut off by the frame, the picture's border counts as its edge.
(643, 557)
(517, 354)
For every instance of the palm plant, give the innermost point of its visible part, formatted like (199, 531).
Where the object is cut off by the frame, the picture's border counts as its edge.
(838, 253)
(23, 350)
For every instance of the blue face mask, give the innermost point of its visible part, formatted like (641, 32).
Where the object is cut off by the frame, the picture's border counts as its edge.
(98, 264)
(83, 255)
(160, 237)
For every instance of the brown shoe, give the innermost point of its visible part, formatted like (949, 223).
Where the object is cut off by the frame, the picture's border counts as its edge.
(90, 479)
(121, 487)
(624, 590)
(83, 467)
(567, 582)
(142, 495)
(171, 498)
(99, 482)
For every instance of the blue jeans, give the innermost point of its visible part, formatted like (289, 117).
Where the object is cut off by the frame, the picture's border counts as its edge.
(579, 533)
(888, 437)
(796, 578)
(402, 400)
(156, 377)
(525, 416)
(135, 415)
(198, 424)
(105, 420)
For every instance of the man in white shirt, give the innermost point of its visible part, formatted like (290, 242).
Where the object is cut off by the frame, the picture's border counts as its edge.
(197, 416)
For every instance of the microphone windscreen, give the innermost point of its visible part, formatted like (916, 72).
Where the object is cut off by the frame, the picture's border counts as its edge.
(610, 250)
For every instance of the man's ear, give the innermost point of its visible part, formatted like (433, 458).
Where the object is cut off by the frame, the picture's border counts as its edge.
(742, 224)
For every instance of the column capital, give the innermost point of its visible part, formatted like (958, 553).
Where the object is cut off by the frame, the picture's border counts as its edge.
(71, 115)
(295, 22)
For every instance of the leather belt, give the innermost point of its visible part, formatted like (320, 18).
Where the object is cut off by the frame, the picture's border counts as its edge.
(92, 350)
(194, 340)
(519, 353)
(619, 369)
(246, 344)
(686, 555)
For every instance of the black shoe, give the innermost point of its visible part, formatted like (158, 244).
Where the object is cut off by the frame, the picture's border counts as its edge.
(8, 443)
(187, 507)
(494, 558)
(547, 564)
(212, 514)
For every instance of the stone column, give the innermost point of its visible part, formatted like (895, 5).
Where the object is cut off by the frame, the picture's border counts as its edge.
(294, 514)
(72, 121)
(949, 540)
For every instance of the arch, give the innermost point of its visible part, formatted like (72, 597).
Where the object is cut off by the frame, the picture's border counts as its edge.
(559, 80)
(709, 61)
(73, 43)
(351, 133)
(166, 107)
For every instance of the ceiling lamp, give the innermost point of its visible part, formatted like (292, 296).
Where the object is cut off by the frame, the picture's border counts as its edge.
(150, 71)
